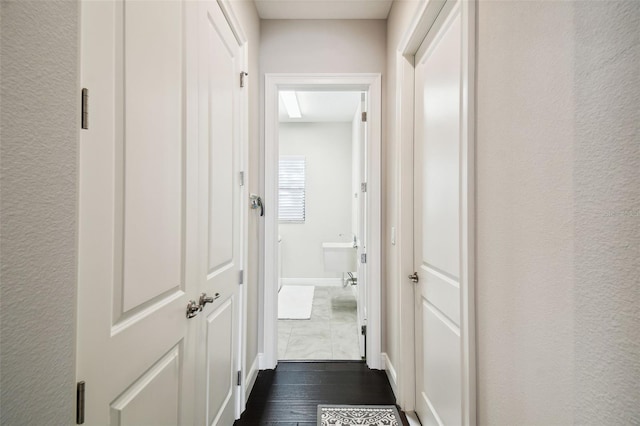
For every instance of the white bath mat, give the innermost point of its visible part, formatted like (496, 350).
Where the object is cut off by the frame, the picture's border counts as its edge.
(295, 301)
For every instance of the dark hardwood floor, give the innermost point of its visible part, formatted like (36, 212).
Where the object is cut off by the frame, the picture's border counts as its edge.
(290, 394)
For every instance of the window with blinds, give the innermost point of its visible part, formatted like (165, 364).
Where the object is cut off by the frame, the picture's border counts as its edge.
(291, 192)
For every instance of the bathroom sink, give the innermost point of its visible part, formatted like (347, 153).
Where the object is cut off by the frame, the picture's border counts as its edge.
(340, 257)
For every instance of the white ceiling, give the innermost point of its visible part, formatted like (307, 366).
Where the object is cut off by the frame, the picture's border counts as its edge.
(323, 9)
(323, 107)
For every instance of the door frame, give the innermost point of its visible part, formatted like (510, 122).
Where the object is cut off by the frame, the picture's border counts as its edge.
(370, 83)
(241, 362)
(418, 30)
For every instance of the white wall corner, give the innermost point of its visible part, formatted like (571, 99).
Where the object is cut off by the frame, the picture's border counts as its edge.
(391, 373)
(263, 362)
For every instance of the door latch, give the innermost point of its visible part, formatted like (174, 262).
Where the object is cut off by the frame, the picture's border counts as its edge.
(257, 203)
(414, 277)
(192, 309)
(204, 299)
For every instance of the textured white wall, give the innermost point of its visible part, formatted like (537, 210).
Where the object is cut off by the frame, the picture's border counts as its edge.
(606, 199)
(39, 143)
(327, 149)
(525, 213)
(248, 17)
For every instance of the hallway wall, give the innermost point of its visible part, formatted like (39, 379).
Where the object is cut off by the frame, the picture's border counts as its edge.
(606, 203)
(557, 265)
(399, 18)
(39, 126)
(525, 214)
(558, 220)
(324, 46)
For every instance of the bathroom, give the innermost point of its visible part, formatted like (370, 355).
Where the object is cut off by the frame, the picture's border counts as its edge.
(322, 142)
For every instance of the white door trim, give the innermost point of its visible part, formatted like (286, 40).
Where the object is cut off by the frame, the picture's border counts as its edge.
(405, 76)
(241, 361)
(366, 82)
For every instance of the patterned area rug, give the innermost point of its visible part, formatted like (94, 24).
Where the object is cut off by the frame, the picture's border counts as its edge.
(358, 415)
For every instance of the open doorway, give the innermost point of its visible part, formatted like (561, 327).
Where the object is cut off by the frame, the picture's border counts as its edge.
(321, 301)
(324, 241)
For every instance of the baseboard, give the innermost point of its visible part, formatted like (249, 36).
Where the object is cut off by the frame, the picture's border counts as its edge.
(319, 282)
(391, 373)
(412, 418)
(251, 377)
(262, 362)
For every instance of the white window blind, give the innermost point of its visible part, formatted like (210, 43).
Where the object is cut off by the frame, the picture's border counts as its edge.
(291, 193)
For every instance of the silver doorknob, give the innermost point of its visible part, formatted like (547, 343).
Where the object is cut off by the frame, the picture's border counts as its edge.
(204, 299)
(414, 277)
(192, 309)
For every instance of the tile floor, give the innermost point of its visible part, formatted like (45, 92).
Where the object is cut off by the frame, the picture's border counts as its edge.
(330, 334)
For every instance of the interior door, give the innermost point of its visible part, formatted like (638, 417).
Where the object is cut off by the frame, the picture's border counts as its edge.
(362, 230)
(220, 64)
(437, 222)
(137, 224)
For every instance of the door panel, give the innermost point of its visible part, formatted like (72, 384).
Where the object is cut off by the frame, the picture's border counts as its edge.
(220, 361)
(151, 154)
(138, 404)
(441, 365)
(222, 86)
(137, 227)
(443, 292)
(437, 204)
(220, 213)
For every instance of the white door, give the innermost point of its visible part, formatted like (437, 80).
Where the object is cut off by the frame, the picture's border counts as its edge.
(439, 228)
(138, 221)
(220, 64)
(362, 228)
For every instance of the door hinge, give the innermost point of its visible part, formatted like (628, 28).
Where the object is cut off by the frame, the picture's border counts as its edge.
(241, 178)
(363, 330)
(239, 381)
(363, 258)
(364, 116)
(242, 76)
(80, 403)
(363, 187)
(241, 277)
(85, 109)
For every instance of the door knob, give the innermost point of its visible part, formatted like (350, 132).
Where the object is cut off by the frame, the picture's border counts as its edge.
(257, 203)
(192, 309)
(204, 299)
(414, 277)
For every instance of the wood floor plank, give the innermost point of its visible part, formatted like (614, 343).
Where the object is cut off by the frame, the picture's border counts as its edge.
(328, 378)
(322, 366)
(290, 394)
